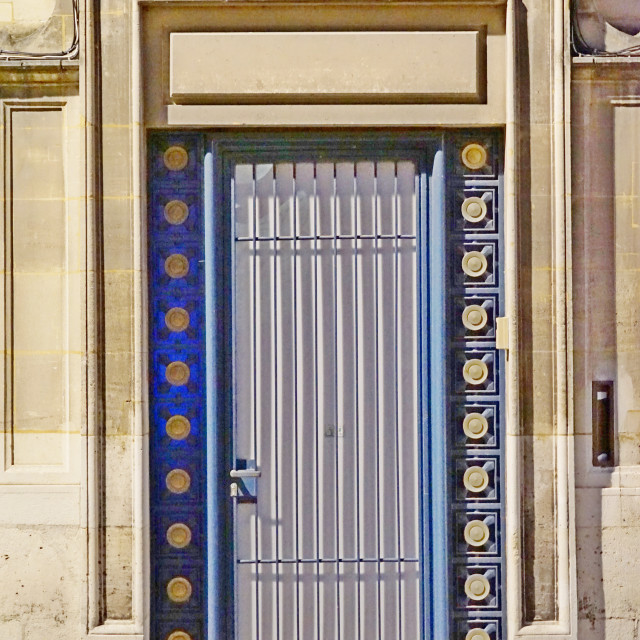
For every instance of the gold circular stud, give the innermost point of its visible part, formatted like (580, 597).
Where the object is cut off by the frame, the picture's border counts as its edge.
(179, 535)
(178, 481)
(476, 533)
(477, 587)
(474, 209)
(179, 589)
(175, 158)
(176, 319)
(475, 371)
(177, 373)
(474, 156)
(179, 635)
(474, 263)
(176, 265)
(474, 317)
(178, 427)
(475, 426)
(477, 634)
(176, 211)
(475, 479)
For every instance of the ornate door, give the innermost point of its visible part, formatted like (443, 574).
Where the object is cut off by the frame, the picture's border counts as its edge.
(325, 387)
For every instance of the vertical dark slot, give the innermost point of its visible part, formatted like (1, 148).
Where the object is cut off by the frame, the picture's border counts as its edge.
(602, 411)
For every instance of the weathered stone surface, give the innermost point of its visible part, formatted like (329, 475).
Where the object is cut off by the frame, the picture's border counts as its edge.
(41, 575)
(43, 563)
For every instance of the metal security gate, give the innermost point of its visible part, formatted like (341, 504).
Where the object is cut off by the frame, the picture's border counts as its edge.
(325, 387)
(325, 370)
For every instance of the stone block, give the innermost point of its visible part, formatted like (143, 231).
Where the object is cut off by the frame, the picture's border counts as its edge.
(118, 572)
(41, 573)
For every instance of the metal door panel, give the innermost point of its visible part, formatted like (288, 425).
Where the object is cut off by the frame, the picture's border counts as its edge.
(326, 394)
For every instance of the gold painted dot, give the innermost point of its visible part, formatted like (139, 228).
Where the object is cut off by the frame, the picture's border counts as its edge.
(476, 479)
(475, 371)
(179, 535)
(178, 481)
(177, 373)
(476, 533)
(474, 209)
(477, 634)
(175, 158)
(176, 211)
(177, 319)
(179, 589)
(474, 263)
(475, 425)
(477, 587)
(176, 265)
(179, 635)
(178, 427)
(474, 317)
(474, 156)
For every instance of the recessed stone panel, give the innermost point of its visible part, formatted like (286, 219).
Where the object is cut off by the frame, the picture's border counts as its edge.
(364, 66)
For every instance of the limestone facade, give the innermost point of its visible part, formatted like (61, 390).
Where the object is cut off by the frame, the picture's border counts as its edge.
(81, 84)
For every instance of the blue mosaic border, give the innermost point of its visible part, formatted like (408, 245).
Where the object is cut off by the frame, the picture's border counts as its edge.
(172, 449)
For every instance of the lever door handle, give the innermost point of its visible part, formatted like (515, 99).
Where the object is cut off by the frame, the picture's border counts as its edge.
(245, 473)
(245, 489)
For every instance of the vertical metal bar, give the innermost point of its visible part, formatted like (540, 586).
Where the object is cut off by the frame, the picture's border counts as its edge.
(376, 313)
(423, 402)
(335, 394)
(396, 231)
(256, 566)
(294, 228)
(438, 464)
(213, 455)
(275, 396)
(315, 383)
(356, 389)
(234, 426)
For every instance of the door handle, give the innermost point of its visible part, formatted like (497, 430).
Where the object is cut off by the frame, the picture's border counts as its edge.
(245, 485)
(245, 473)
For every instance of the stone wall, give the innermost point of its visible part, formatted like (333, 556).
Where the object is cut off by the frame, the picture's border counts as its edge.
(43, 293)
(72, 472)
(606, 236)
